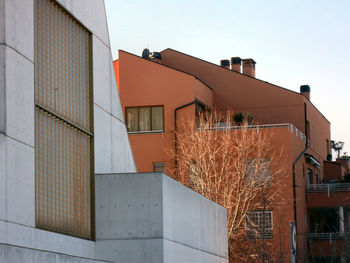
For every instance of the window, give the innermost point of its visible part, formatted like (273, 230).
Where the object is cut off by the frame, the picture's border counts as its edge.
(258, 171)
(309, 176)
(63, 121)
(144, 119)
(159, 167)
(259, 224)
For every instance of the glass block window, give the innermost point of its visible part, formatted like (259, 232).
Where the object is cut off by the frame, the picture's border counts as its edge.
(63, 127)
(259, 224)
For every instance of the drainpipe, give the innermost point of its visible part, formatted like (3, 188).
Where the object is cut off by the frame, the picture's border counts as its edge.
(294, 183)
(175, 136)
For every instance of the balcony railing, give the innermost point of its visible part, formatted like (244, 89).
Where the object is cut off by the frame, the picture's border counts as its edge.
(338, 187)
(326, 236)
(291, 128)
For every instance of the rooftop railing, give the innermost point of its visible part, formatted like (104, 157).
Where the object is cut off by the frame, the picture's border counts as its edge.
(291, 128)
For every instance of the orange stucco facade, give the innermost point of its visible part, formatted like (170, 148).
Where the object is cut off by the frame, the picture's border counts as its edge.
(181, 83)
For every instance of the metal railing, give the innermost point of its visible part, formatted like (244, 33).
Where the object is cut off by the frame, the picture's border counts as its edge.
(316, 188)
(291, 128)
(326, 236)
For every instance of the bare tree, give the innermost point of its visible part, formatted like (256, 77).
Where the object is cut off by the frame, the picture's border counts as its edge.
(237, 167)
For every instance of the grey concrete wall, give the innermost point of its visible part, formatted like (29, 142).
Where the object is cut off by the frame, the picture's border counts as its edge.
(16, 254)
(17, 146)
(151, 216)
(17, 112)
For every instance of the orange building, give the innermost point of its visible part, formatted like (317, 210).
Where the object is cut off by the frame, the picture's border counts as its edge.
(160, 90)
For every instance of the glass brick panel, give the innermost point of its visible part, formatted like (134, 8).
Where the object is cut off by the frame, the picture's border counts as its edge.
(61, 63)
(63, 130)
(62, 160)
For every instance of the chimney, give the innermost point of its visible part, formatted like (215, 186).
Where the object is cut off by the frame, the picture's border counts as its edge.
(225, 63)
(155, 56)
(249, 67)
(305, 90)
(236, 64)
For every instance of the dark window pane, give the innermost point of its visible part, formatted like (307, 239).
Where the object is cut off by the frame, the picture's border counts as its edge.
(159, 167)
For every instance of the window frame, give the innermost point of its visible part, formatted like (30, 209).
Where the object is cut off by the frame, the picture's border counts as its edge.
(267, 177)
(268, 233)
(158, 165)
(138, 117)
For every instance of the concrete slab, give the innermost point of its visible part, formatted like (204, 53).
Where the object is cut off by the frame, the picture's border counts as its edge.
(193, 220)
(141, 207)
(131, 251)
(19, 27)
(177, 253)
(17, 235)
(59, 243)
(3, 199)
(91, 13)
(122, 157)
(15, 254)
(2, 85)
(19, 76)
(128, 206)
(102, 141)
(2, 21)
(42, 257)
(20, 183)
(101, 74)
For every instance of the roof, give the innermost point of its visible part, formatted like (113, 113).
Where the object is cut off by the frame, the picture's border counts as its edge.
(167, 67)
(245, 75)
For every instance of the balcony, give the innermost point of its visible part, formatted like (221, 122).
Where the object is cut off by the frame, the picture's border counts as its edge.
(321, 188)
(328, 195)
(292, 129)
(325, 236)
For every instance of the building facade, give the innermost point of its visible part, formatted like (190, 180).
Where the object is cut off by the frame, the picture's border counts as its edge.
(179, 85)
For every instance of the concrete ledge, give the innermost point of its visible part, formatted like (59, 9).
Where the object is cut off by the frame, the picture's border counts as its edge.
(149, 217)
(36, 239)
(11, 254)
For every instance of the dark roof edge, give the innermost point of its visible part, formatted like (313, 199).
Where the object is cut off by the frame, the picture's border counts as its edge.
(166, 67)
(236, 72)
(332, 162)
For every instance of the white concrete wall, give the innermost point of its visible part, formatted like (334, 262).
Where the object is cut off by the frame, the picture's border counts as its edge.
(149, 217)
(17, 146)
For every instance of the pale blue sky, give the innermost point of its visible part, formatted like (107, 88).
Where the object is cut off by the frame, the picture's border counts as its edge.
(293, 42)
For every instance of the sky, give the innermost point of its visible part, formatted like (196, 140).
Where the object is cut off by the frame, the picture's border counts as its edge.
(293, 42)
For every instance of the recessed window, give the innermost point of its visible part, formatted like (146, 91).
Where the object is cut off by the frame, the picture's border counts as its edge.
(258, 172)
(259, 224)
(144, 119)
(159, 167)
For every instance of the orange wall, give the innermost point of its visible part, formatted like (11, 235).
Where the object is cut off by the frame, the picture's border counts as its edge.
(116, 71)
(145, 83)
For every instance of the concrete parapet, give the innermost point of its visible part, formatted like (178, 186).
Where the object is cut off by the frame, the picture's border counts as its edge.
(149, 217)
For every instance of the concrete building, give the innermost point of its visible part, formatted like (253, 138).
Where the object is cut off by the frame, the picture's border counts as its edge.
(160, 90)
(69, 191)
